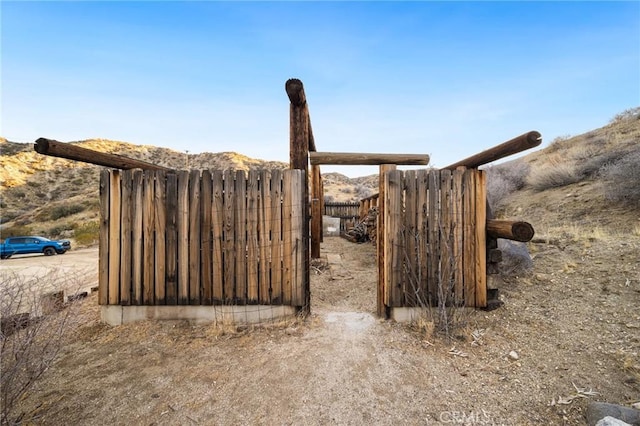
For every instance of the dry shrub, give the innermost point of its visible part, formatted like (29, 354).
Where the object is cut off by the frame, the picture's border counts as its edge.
(516, 260)
(32, 332)
(621, 179)
(504, 179)
(554, 174)
(627, 114)
(592, 166)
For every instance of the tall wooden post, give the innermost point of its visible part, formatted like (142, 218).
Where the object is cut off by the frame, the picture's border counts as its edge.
(299, 159)
(380, 240)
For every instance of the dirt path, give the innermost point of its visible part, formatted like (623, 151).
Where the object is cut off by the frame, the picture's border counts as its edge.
(344, 366)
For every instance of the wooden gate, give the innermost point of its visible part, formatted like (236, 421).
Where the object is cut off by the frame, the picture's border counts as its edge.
(202, 238)
(434, 238)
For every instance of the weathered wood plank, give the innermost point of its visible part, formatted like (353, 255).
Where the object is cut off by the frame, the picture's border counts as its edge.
(457, 239)
(422, 177)
(252, 237)
(229, 237)
(480, 239)
(183, 237)
(218, 220)
(148, 238)
(409, 278)
(136, 237)
(206, 258)
(433, 245)
(469, 238)
(297, 190)
(194, 237)
(114, 238)
(446, 252)
(125, 238)
(276, 238)
(264, 217)
(172, 239)
(393, 237)
(383, 295)
(161, 235)
(241, 235)
(316, 211)
(103, 248)
(288, 238)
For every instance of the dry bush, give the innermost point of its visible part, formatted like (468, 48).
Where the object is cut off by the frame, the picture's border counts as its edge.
(504, 179)
(440, 311)
(627, 114)
(32, 332)
(516, 260)
(621, 180)
(591, 167)
(554, 174)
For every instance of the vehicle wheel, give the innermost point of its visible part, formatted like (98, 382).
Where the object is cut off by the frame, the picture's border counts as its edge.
(49, 251)
(4, 257)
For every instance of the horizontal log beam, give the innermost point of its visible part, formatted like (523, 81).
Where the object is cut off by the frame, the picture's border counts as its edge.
(510, 230)
(74, 152)
(521, 143)
(363, 159)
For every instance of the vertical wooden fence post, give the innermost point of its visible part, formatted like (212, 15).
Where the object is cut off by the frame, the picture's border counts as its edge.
(299, 159)
(381, 311)
(316, 211)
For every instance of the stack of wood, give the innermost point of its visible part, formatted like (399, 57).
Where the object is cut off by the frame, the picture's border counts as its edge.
(366, 228)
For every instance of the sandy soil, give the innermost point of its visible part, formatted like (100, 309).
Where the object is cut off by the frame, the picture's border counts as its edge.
(574, 323)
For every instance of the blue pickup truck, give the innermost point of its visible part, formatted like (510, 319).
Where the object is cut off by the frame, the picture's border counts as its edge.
(28, 245)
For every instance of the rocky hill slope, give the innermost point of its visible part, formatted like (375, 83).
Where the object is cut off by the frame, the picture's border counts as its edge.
(572, 180)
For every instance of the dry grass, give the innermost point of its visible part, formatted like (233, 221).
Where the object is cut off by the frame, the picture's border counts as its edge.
(554, 174)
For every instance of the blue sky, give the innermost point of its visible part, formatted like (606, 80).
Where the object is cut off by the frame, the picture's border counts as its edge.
(447, 79)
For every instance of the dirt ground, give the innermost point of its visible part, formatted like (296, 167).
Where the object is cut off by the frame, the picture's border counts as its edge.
(574, 322)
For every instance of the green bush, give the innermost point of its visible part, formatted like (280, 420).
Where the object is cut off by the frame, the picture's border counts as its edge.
(57, 231)
(65, 210)
(15, 231)
(87, 234)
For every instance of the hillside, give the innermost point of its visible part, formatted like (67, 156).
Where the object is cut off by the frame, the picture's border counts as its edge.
(585, 182)
(562, 182)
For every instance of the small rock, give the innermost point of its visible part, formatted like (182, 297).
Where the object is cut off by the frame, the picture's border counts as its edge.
(597, 411)
(611, 421)
(513, 355)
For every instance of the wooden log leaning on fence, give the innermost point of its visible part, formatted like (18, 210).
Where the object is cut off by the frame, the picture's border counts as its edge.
(73, 152)
(510, 230)
(513, 146)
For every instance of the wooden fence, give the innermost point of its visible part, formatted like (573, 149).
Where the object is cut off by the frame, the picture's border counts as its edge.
(434, 238)
(202, 238)
(343, 210)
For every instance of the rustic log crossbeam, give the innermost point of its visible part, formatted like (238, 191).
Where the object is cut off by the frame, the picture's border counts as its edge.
(68, 151)
(513, 146)
(510, 230)
(367, 159)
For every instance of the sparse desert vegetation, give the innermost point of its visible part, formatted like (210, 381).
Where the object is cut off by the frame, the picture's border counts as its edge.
(566, 335)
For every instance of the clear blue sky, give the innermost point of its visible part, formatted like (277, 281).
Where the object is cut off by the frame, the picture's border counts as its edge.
(448, 79)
